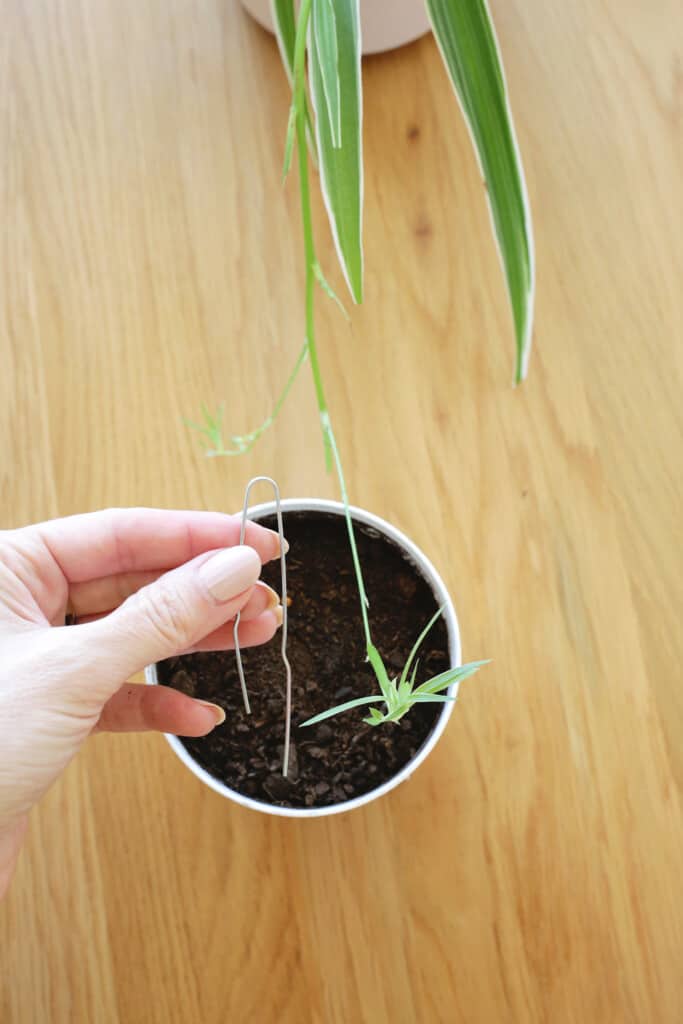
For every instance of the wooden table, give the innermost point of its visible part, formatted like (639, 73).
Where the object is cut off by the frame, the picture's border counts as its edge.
(531, 871)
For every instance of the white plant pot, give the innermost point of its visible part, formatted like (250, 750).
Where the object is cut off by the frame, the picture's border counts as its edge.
(385, 24)
(427, 570)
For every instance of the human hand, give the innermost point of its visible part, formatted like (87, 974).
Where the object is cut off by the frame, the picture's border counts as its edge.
(143, 585)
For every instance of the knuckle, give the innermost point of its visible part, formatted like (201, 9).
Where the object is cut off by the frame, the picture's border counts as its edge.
(168, 613)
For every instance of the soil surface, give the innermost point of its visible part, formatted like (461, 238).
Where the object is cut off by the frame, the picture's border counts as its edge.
(342, 757)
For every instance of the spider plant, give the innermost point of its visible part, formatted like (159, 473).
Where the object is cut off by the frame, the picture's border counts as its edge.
(400, 694)
(324, 38)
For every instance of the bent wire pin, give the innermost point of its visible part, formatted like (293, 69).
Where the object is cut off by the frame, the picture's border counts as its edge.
(283, 598)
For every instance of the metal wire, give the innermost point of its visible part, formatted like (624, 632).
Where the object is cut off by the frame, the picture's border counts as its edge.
(283, 588)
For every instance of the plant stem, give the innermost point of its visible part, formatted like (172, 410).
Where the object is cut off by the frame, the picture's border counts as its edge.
(364, 603)
(299, 100)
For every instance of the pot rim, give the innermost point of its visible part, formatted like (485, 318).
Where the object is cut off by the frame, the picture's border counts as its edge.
(425, 567)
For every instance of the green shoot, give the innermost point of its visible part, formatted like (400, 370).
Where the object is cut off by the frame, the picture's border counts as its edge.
(211, 428)
(399, 695)
(329, 290)
(240, 444)
(325, 36)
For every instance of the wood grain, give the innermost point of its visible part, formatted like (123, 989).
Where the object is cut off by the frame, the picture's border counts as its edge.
(151, 261)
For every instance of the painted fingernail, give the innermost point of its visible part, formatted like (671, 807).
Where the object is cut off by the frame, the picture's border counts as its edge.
(273, 597)
(284, 540)
(278, 613)
(229, 572)
(219, 713)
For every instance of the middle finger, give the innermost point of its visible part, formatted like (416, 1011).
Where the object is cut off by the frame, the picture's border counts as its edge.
(262, 599)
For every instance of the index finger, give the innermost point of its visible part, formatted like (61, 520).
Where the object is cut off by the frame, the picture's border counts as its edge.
(117, 540)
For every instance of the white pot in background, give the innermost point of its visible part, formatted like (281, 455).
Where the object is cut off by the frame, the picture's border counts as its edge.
(427, 570)
(385, 24)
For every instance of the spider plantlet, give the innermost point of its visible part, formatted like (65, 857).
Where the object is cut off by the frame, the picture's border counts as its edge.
(400, 694)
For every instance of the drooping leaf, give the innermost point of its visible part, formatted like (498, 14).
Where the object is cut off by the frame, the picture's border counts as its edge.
(324, 29)
(433, 698)
(284, 23)
(449, 677)
(466, 37)
(341, 707)
(341, 167)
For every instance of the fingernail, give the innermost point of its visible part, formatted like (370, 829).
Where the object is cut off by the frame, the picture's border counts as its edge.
(285, 543)
(273, 597)
(218, 711)
(229, 572)
(278, 613)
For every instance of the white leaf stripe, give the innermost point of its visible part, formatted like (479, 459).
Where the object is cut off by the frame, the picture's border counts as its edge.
(324, 28)
(284, 23)
(448, 18)
(341, 170)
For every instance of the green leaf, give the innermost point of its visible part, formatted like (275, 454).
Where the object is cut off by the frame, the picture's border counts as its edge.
(211, 428)
(339, 708)
(398, 712)
(388, 690)
(196, 426)
(341, 166)
(375, 717)
(432, 699)
(405, 686)
(451, 676)
(328, 289)
(418, 642)
(466, 38)
(284, 23)
(324, 29)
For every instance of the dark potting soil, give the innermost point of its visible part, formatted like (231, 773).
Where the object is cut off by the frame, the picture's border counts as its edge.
(342, 757)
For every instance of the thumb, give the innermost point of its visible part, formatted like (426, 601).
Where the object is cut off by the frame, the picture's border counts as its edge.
(173, 613)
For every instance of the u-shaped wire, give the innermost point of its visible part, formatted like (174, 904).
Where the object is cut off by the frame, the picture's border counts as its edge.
(283, 587)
